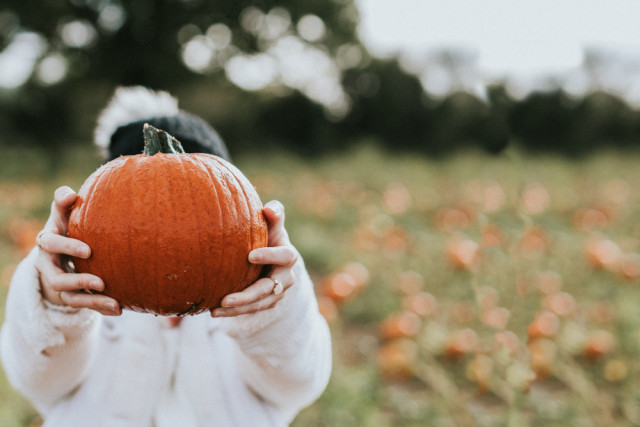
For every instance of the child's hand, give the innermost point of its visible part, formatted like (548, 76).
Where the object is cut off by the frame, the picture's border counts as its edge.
(265, 293)
(59, 283)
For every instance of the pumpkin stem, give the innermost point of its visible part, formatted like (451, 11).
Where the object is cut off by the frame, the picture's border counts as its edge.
(158, 141)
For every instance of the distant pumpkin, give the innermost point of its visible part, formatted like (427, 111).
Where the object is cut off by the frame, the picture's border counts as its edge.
(170, 232)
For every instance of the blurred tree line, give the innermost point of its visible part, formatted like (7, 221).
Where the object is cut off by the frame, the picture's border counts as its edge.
(247, 67)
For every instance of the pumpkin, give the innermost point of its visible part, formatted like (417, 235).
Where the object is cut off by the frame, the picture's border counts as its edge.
(169, 232)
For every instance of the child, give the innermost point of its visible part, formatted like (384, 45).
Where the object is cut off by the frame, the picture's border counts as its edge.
(82, 361)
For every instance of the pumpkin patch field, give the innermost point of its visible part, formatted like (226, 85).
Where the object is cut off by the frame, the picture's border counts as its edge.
(472, 290)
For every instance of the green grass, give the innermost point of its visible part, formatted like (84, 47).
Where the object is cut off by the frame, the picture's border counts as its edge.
(395, 215)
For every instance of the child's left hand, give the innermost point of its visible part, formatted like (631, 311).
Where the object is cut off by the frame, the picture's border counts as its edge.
(265, 293)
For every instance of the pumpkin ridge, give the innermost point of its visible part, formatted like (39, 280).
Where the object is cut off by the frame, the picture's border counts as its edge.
(154, 272)
(222, 187)
(112, 185)
(251, 267)
(138, 166)
(145, 176)
(184, 161)
(97, 176)
(129, 166)
(155, 176)
(221, 217)
(248, 271)
(188, 178)
(241, 282)
(231, 195)
(77, 229)
(105, 180)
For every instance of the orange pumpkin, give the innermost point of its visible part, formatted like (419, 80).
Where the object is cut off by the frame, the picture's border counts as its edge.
(170, 232)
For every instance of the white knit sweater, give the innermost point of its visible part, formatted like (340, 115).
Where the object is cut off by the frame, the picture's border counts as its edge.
(79, 368)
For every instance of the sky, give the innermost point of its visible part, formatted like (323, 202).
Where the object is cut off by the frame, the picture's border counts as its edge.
(527, 43)
(511, 38)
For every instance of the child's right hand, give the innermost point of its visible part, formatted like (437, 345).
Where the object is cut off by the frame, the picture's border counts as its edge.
(59, 283)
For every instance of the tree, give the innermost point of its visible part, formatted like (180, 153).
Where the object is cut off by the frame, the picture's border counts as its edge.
(167, 44)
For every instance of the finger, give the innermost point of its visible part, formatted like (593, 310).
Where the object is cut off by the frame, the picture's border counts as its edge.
(100, 303)
(47, 269)
(63, 199)
(279, 255)
(54, 280)
(260, 305)
(274, 214)
(274, 211)
(56, 244)
(259, 290)
(66, 282)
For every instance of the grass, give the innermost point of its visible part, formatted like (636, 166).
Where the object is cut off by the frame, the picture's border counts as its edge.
(471, 290)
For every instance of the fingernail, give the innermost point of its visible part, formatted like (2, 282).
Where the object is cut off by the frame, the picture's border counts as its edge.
(63, 191)
(229, 302)
(84, 251)
(96, 284)
(111, 307)
(254, 257)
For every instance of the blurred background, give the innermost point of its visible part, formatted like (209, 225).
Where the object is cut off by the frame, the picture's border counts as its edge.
(461, 179)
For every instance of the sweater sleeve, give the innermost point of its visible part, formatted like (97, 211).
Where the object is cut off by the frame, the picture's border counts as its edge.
(285, 352)
(45, 349)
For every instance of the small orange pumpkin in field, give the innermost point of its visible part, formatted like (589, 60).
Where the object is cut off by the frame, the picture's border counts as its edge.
(169, 232)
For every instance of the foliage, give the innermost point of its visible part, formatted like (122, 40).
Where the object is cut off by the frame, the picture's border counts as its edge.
(128, 41)
(471, 290)
(190, 45)
(79, 44)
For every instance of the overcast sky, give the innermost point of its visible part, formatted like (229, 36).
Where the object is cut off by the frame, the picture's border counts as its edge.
(525, 41)
(509, 37)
